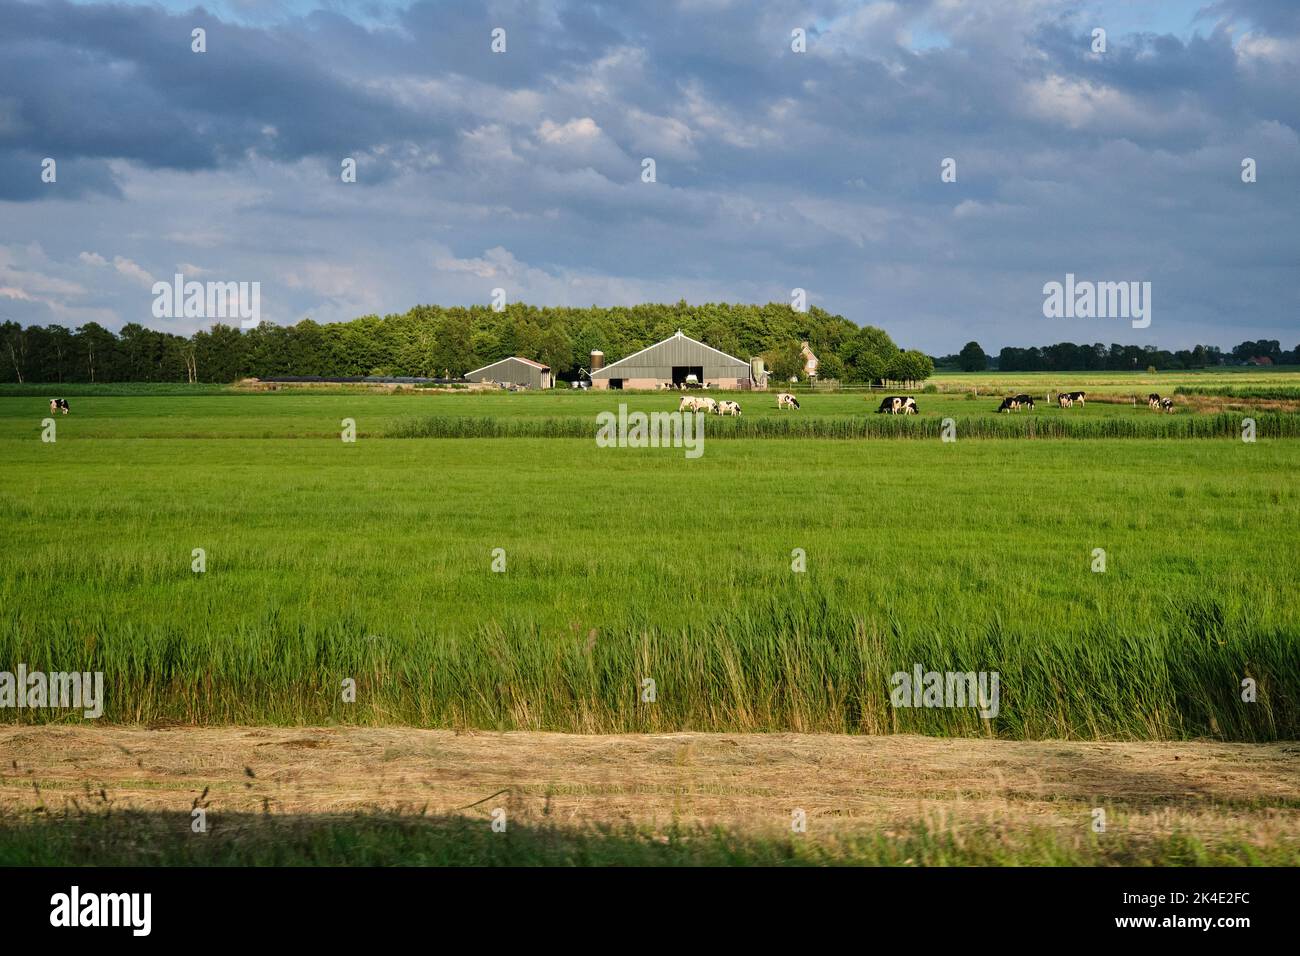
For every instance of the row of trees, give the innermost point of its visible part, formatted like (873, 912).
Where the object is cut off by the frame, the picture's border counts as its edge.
(436, 341)
(1068, 357)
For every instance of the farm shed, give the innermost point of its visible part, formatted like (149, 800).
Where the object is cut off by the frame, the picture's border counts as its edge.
(670, 362)
(514, 371)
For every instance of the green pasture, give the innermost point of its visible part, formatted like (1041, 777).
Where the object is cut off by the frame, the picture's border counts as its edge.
(373, 561)
(296, 413)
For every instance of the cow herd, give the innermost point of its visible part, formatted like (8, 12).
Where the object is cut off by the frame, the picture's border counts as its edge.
(702, 403)
(897, 405)
(905, 404)
(1013, 403)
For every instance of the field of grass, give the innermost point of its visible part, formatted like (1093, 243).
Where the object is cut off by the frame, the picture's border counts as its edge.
(372, 561)
(1278, 392)
(568, 414)
(1138, 383)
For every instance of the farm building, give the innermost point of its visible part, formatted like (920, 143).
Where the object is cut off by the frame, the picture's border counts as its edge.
(672, 362)
(514, 371)
(810, 361)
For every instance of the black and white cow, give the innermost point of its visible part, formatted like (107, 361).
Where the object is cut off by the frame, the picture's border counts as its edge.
(1009, 404)
(1064, 400)
(59, 405)
(729, 408)
(892, 405)
(1076, 397)
(786, 400)
(1153, 400)
(1025, 401)
(909, 406)
(1167, 405)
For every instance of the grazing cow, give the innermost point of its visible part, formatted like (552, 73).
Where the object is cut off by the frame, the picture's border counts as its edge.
(909, 406)
(729, 408)
(892, 405)
(1064, 400)
(1025, 401)
(1167, 404)
(786, 400)
(687, 404)
(1153, 400)
(1076, 397)
(705, 404)
(1009, 404)
(59, 405)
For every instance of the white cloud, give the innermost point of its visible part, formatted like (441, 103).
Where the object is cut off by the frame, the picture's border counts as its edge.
(132, 270)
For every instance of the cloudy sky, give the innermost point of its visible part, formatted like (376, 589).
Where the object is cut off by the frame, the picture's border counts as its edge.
(775, 169)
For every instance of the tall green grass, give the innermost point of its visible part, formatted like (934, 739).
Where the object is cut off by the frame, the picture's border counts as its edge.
(867, 426)
(330, 561)
(1278, 392)
(799, 662)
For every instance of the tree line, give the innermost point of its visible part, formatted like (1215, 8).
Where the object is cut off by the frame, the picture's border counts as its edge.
(1069, 357)
(434, 341)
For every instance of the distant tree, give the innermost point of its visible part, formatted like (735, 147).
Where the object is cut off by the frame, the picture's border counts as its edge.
(1267, 348)
(556, 350)
(972, 358)
(910, 367)
(867, 355)
(98, 353)
(13, 339)
(831, 368)
(785, 361)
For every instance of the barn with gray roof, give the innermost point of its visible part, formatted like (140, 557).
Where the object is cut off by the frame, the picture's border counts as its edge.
(514, 371)
(671, 362)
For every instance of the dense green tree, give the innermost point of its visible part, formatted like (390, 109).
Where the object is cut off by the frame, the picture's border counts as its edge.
(971, 358)
(831, 367)
(14, 343)
(785, 361)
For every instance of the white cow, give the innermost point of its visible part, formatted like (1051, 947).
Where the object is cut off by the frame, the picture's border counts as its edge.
(729, 408)
(705, 404)
(688, 404)
(786, 400)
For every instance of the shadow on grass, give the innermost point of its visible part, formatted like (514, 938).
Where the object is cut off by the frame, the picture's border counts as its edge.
(139, 838)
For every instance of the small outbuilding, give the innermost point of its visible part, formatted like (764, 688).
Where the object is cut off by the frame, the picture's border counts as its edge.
(676, 361)
(514, 371)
